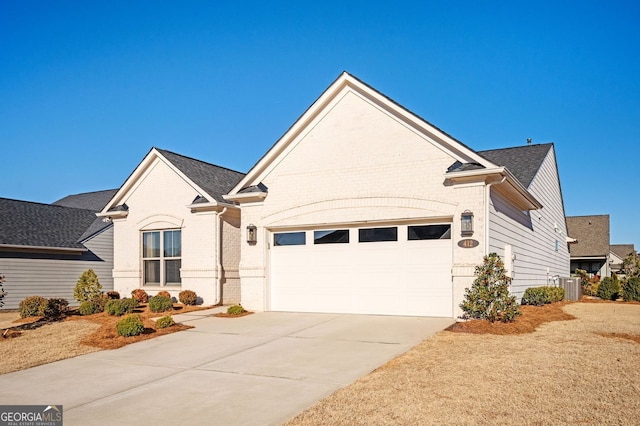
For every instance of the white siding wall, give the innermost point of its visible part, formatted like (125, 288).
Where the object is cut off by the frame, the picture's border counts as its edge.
(55, 275)
(532, 237)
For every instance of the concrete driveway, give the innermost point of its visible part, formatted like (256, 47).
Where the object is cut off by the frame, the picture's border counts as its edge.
(260, 369)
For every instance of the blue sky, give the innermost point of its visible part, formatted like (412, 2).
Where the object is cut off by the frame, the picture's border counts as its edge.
(87, 88)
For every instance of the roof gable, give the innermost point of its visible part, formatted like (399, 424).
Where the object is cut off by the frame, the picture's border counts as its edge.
(209, 181)
(31, 224)
(592, 233)
(348, 83)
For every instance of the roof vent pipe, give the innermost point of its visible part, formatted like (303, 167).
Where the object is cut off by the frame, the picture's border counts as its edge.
(529, 140)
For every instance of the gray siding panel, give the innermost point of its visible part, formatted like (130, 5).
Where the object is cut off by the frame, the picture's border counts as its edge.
(533, 240)
(56, 276)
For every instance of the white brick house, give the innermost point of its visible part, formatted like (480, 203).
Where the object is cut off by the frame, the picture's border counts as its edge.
(358, 209)
(173, 230)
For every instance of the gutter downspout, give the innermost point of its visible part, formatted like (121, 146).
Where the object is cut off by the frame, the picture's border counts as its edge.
(487, 190)
(219, 256)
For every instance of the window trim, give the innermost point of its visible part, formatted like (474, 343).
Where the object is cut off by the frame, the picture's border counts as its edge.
(162, 259)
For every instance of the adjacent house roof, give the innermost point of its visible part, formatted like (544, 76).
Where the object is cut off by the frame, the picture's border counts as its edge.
(622, 250)
(215, 180)
(523, 161)
(28, 224)
(592, 233)
(89, 200)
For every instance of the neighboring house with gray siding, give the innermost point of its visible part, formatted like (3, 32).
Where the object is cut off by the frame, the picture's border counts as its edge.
(617, 254)
(591, 249)
(45, 247)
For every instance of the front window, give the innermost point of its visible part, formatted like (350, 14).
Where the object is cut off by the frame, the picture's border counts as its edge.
(161, 267)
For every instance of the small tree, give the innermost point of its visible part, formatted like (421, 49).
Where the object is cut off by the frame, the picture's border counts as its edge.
(489, 298)
(88, 287)
(631, 265)
(2, 292)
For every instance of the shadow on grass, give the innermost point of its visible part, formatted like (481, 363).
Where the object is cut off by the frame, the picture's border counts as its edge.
(33, 324)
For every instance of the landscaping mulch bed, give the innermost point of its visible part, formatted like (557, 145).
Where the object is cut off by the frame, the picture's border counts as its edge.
(532, 317)
(34, 341)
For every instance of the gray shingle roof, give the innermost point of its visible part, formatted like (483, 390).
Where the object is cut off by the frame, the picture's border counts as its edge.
(215, 180)
(523, 161)
(89, 200)
(592, 233)
(622, 250)
(24, 223)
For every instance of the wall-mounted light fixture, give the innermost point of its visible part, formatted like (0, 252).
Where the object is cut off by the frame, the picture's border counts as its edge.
(252, 234)
(466, 222)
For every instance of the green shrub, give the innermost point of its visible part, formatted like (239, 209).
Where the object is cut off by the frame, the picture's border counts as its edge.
(140, 295)
(188, 297)
(113, 295)
(631, 289)
(236, 310)
(489, 298)
(535, 296)
(165, 321)
(93, 306)
(87, 287)
(160, 304)
(55, 307)
(87, 308)
(32, 306)
(542, 295)
(556, 294)
(131, 325)
(119, 307)
(609, 288)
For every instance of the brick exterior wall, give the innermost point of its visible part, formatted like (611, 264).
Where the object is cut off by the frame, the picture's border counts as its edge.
(358, 163)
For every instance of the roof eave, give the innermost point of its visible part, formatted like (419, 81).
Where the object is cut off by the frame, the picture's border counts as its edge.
(248, 197)
(210, 206)
(118, 214)
(67, 250)
(500, 176)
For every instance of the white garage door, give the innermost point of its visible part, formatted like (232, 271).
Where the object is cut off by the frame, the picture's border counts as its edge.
(387, 270)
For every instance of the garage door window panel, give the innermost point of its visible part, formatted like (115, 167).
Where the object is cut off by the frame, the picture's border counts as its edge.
(370, 235)
(334, 236)
(289, 239)
(429, 232)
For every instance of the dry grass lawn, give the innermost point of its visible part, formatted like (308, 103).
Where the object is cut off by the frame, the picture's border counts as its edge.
(31, 342)
(573, 371)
